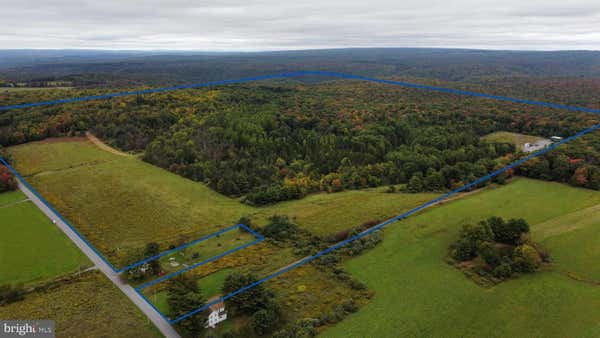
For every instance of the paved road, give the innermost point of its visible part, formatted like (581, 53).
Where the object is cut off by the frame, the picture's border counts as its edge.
(163, 325)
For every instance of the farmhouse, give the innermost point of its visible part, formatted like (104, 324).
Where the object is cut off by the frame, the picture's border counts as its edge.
(217, 313)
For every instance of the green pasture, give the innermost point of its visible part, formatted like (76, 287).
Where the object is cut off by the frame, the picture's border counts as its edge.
(31, 247)
(418, 294)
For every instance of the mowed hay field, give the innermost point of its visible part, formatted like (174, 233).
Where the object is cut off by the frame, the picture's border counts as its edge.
(418, 294)
(575, 241)
(31, 247)
(88, 306)
(120, 202)
(326, 214)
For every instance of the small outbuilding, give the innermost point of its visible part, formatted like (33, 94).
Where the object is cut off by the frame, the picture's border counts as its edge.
(556, 138)
(540, 144)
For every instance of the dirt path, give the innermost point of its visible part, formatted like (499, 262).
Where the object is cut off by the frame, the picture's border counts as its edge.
(103, 145)
(13, 203)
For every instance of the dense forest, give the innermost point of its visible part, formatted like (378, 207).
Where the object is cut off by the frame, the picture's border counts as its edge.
(114, 68)
(274, 141)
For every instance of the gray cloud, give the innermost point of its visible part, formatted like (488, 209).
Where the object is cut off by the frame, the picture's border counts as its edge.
(272, 25)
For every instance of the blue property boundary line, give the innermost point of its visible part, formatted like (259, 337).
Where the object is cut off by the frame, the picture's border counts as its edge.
(299, 74)
(49, 206)
(151, 304)
(195, 265)
(181, 247)
(331, 74)
(259, 237)
(174, 274)
(389, 221)
(155, 90)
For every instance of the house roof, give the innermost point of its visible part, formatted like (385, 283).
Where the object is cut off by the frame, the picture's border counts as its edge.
(216, 306)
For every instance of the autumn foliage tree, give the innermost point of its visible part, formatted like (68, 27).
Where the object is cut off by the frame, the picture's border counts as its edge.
(8, 181)
(278, 142)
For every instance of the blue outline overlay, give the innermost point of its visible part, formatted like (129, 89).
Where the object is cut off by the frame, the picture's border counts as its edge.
(49, 206)
(298, 74)
(152, 305)
(259, 237)
(195, 265)
(349, 240)
(202, 239)
(389, 221)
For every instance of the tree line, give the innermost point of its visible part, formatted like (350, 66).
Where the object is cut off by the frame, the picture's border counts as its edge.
(8, 181)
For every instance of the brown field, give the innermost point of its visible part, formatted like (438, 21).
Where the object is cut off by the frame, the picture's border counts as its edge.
(88, 306)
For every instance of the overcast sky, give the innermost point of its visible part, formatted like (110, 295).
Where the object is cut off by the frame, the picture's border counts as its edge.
(246, 25)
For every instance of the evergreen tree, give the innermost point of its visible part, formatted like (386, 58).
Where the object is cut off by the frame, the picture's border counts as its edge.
(184, 296)
(153, 249)
(250, 301)
(416, 183)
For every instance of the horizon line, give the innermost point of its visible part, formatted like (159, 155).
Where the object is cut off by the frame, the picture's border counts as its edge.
(276, 50)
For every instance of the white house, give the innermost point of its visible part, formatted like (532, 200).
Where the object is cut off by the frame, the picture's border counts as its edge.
(217, 313)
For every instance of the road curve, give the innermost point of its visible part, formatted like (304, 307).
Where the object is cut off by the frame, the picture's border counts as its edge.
(161, 323)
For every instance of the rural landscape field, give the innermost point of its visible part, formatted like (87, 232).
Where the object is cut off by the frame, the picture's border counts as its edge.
(54, 254)
(434, 299)
(87, 302)
(298, 170)
(563, 220)
(116, 216)
(55, 274)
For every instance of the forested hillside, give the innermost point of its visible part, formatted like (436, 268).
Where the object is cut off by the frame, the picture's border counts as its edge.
(274, 141)
(112, 68)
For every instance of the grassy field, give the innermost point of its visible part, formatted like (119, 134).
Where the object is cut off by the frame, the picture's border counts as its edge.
(260, 260)
(418, 294)
(205, 249)
(31, 247)
(11, 197)
(58, 154)
(574, 239)
(325, 214)
(89, 306)
(120, 203)
(305, 292)
(507, 137)
(210, 286)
